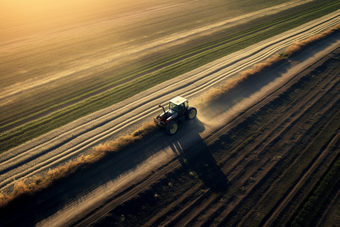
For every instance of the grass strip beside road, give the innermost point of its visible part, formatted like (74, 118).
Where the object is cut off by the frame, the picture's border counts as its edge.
(24, 188)
(177, 66)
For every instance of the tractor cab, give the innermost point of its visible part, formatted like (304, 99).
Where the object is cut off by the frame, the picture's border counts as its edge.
(179, 105)
(178, 111)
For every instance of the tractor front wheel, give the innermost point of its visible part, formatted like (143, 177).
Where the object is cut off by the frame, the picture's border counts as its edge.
(191, 113)
(172, 127)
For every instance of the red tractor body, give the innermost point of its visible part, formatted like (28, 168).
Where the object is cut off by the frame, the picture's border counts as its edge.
(178, 111)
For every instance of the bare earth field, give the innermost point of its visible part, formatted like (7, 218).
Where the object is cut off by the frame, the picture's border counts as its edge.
(251, 157)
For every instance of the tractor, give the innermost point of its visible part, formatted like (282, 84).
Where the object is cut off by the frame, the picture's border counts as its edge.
(178, 111)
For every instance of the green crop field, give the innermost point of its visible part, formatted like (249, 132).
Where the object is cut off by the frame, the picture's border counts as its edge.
(65, 101)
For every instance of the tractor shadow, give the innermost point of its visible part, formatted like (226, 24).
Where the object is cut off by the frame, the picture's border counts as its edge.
(198, 156)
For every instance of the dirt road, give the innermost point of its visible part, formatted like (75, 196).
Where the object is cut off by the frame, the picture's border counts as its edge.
(145, 170)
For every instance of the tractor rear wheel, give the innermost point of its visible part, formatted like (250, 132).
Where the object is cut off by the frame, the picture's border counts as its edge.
(172, 127)
(191, 113)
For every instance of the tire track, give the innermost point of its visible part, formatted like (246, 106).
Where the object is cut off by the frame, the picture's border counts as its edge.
(302, 181)
(329, 209)
(321, 157)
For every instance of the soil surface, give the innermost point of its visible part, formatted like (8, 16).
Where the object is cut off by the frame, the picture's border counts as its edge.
(251, 156)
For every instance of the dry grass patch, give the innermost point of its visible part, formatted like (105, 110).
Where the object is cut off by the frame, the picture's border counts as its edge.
(23, 187)
(215, 93)
(296, 47)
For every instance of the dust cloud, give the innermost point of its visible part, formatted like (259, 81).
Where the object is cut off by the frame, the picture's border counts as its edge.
(296, 47)
(215, 93)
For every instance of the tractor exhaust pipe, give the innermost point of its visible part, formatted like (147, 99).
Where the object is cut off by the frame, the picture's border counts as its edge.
(162, 107)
